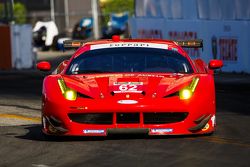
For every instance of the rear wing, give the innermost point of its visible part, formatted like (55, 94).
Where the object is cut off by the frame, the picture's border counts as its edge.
(73, 43)
(196, 43)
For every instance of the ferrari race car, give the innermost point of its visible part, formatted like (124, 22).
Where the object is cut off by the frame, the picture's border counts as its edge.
(129, 85)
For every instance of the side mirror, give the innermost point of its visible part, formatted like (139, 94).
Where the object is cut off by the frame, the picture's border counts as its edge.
(215, 64)
(43, 66)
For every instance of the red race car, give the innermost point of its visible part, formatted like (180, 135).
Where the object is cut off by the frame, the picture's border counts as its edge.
(129, 85)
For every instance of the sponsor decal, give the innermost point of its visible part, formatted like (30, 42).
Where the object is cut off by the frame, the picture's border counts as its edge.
(44, 122)
(213, 119)
(128, 83)
(125, 75)
(150, 33)
(93, 131)
(127, 102)
(160, 131)
(129, 44)
(150, 75)
(127, 87)
(228, 47)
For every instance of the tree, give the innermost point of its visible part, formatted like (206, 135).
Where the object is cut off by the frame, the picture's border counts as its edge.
(20, 13)
(115, 6)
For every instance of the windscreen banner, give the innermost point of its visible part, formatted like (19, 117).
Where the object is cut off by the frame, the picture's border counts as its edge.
(225, 40)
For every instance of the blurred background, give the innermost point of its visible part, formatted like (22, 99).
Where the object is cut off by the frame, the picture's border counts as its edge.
(34, 30)
(28, 27)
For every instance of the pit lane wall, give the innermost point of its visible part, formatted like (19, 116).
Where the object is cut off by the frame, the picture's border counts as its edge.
(225, 40)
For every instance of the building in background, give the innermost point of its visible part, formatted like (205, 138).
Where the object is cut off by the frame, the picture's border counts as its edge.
(194, 9)
(222, 24)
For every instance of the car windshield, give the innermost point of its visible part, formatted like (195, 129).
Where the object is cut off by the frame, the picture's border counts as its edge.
(118, 60)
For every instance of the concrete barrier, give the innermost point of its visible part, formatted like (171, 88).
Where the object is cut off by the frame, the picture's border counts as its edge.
(225, 40)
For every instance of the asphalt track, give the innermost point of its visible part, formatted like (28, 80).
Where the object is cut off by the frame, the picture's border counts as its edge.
(23, 145)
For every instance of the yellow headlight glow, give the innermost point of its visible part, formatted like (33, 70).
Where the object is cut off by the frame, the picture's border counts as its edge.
(185, 94)
(70, 95)
(62, 85)
(194, 84)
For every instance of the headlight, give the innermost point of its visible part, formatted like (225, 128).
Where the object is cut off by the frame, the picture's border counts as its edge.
(68, 93)
(187, 92)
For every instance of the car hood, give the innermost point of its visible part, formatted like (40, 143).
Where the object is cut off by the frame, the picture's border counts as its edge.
(142, 84)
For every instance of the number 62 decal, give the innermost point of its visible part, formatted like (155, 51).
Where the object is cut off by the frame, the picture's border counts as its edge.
(131, 88)
(128, 87)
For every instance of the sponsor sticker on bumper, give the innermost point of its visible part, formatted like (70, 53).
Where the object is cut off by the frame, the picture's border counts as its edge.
(161, 131)
(94, 131)
(127, 101)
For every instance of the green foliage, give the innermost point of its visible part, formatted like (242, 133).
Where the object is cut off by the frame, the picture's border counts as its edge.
(1, 11)
(20, 13)
(116, 6)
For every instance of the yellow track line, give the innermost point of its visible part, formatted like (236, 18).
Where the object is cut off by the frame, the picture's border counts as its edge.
(219, 140)
(34, 119)
(225, 141)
